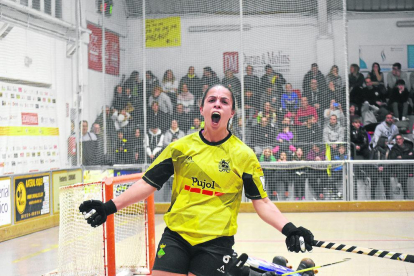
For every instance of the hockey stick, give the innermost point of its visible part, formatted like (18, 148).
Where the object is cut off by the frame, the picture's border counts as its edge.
(315, 267)
(365, 251)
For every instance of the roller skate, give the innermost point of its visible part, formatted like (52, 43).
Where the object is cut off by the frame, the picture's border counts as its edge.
(307, 263)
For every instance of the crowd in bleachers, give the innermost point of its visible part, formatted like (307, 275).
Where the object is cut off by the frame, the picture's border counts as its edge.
(283, 122)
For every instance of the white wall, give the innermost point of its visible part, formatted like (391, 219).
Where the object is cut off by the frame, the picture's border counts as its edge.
(377, 29)
(206, 48)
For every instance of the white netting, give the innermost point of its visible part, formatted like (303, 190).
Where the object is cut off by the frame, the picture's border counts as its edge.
(81, 247)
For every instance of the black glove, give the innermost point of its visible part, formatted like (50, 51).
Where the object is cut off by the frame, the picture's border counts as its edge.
(102, 211)
(293, 233)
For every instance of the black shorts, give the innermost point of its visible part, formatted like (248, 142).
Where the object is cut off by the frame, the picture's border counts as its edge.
(176, 255)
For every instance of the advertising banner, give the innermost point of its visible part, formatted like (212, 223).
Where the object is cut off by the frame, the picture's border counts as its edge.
(61, 179)
(5, 201)
(29, 130)
(386, 56)
(31, 196)
(112, 56)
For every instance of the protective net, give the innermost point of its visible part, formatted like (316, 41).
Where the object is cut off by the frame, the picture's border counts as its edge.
(81, 247)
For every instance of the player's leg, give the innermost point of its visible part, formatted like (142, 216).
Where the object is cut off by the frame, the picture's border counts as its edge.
(172, 256)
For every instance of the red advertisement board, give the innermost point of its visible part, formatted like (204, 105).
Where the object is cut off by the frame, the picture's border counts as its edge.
(112, 57)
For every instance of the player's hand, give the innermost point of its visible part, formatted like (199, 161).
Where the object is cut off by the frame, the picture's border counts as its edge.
(293, 241)
(96, 212)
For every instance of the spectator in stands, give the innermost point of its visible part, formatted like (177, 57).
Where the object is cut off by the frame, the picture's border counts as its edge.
(267, 155)
(304, 111)
(298, 175)
(264, 136)
(170, 85)
(250, 107)
(154, 141)
(186, 99)
(151, 81)
(333, 132)
(183, 119)
(272, 79)
(395, 75)
(136, 147)
(315, 173)
(209, 76)
(356, 79)
(359, 140)
(317, 96)
(289, 100)
(315, 154)
(399, 100)
(100, 152)
(196, 126)
(110, 127)
(136, 84)
(336, 180)
(193, 82)
(118, 100)
(377, 79)
(120, 119)
(238, 129)
(336, 93)
(380, 152)
(128, 99)
(121, 149)
(270, 96)
(157, 117)
(335, 78)
(334, 109)
(371, 95)
(251, 82)
(387, 129)
(353, 112)
(268, 112)
(163, 100)
(89, 145)
(402, 150)
(310, 131)
(314, 74)
(234, 84)
(285, 136)
(173, 134)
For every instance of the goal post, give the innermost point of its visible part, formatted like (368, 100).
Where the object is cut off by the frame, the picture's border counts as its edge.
(125, 242)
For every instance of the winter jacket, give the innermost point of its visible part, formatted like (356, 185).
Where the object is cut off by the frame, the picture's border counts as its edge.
(406, 152)
(397, 97)
(359, 137)
(154, 142)
(164, 102)
(333, 133)
(170, 135)
(384, 130)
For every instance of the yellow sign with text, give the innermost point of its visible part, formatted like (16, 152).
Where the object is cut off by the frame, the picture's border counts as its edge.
(163, 32)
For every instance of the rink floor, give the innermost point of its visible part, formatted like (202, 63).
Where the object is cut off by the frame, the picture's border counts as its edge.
(36, 254)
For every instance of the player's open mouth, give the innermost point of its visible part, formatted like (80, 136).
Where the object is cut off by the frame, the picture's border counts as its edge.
(215, 117)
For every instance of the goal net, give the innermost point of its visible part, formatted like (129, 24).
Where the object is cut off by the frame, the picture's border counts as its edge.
(126, 239)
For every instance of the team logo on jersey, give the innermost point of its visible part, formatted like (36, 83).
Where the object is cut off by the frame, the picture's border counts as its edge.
(161, 252)
(224, 166)
(189, 160)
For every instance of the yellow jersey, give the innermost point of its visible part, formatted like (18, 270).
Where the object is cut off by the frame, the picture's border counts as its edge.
(208, 181)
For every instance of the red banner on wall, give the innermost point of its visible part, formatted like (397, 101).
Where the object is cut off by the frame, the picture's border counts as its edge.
(231, 61)
(112, 57)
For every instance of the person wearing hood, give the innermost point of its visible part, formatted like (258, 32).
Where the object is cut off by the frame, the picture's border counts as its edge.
(402, 150)
(387, 129)
(380, 152)
(154, 142)
(333, 132)
(173, 134)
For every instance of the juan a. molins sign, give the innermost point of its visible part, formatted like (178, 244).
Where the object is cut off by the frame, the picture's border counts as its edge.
(30, 119)
(31, 196)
